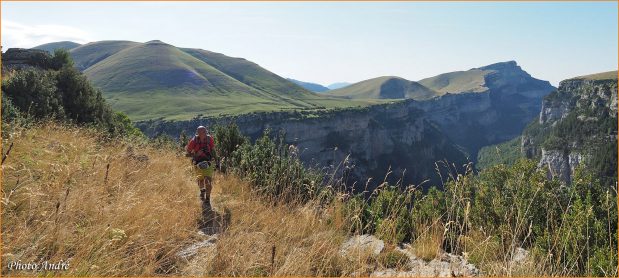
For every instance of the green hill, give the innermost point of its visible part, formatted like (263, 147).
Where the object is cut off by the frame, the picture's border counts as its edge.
(94, 52)
(51, 47)
(157, 80)
(457, 81)
(475, 80)
(386, 87)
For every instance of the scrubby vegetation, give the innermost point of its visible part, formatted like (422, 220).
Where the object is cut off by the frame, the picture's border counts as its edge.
(54, 89)
(486, 216)
(505, 153)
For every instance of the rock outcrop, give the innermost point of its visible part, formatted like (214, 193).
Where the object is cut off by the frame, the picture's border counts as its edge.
(574, 121)
(445, 265)
(20, 58)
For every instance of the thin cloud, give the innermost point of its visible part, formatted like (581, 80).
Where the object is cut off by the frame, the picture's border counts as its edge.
(15, 34)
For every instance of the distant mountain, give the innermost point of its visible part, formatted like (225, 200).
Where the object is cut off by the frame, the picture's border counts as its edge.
(51, 47)
(386, 87)
(316, 88)
(486, 105)
(338, 85)
(157, 80)
(476, 80)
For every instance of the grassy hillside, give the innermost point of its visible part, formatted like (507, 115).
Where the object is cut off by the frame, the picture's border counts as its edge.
(470, 81)
(91, 53)
(609, 75)
(250, 74)
(458, 81)
(156, 80)
(109, 210)
(386, 87)
(51, 47)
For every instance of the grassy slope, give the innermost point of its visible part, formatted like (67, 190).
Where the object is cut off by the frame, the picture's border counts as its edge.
(61, 204)
(52, 46)
(133, 223)
(91, 53)
(458, 81)
(609, 75)
(156, 80)
(386, 87)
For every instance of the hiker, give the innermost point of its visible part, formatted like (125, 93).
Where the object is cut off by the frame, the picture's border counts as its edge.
(202, 150)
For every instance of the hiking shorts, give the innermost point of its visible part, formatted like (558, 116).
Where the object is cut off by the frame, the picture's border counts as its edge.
(202, 173)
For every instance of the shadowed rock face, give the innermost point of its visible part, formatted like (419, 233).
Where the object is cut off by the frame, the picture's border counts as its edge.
(512, 99)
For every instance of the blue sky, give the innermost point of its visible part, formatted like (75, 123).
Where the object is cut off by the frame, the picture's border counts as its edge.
(332, 42)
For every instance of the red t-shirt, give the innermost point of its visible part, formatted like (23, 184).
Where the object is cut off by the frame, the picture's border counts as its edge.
(195, 145)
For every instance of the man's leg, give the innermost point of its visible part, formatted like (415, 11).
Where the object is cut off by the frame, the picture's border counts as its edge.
(208, 186)
(201, 185)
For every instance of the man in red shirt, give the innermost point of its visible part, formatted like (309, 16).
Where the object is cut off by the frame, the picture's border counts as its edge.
(202, 149)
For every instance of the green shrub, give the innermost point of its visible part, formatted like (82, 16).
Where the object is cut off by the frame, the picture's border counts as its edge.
(56, 90)
(275, 171)
(228, 138)
(390, 215)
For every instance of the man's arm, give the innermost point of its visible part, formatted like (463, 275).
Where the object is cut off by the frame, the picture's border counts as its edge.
(189, 148)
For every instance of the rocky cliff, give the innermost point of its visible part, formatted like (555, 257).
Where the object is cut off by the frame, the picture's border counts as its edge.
(505, 101)
(577, 124)
(395, 136)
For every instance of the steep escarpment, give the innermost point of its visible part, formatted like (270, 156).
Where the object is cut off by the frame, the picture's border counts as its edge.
(498, 101)
(577, 125)
(379, 138)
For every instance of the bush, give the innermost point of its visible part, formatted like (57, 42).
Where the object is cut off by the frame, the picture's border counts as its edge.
(34, 92)
(390, 216)
(58, 91)
(274, 170)
(228, 138)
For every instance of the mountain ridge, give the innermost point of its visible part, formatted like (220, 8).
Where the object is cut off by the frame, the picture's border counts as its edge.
(158, 80)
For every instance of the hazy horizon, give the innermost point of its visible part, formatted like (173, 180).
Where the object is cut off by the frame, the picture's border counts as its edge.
(328, 43)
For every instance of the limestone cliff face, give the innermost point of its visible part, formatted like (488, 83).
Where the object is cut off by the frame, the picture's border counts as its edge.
(580, 94)
(396, 136)
(560, 164)
(499, 113)
(575, 121)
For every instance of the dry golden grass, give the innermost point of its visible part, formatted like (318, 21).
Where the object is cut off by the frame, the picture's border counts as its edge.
(304, 241)
(58, 204)
(428, 242)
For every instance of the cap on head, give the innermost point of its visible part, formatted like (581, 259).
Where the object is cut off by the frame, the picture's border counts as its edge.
(201, 128)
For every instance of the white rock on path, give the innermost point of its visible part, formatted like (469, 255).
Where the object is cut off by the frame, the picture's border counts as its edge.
(190, 251)
(361, 243)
